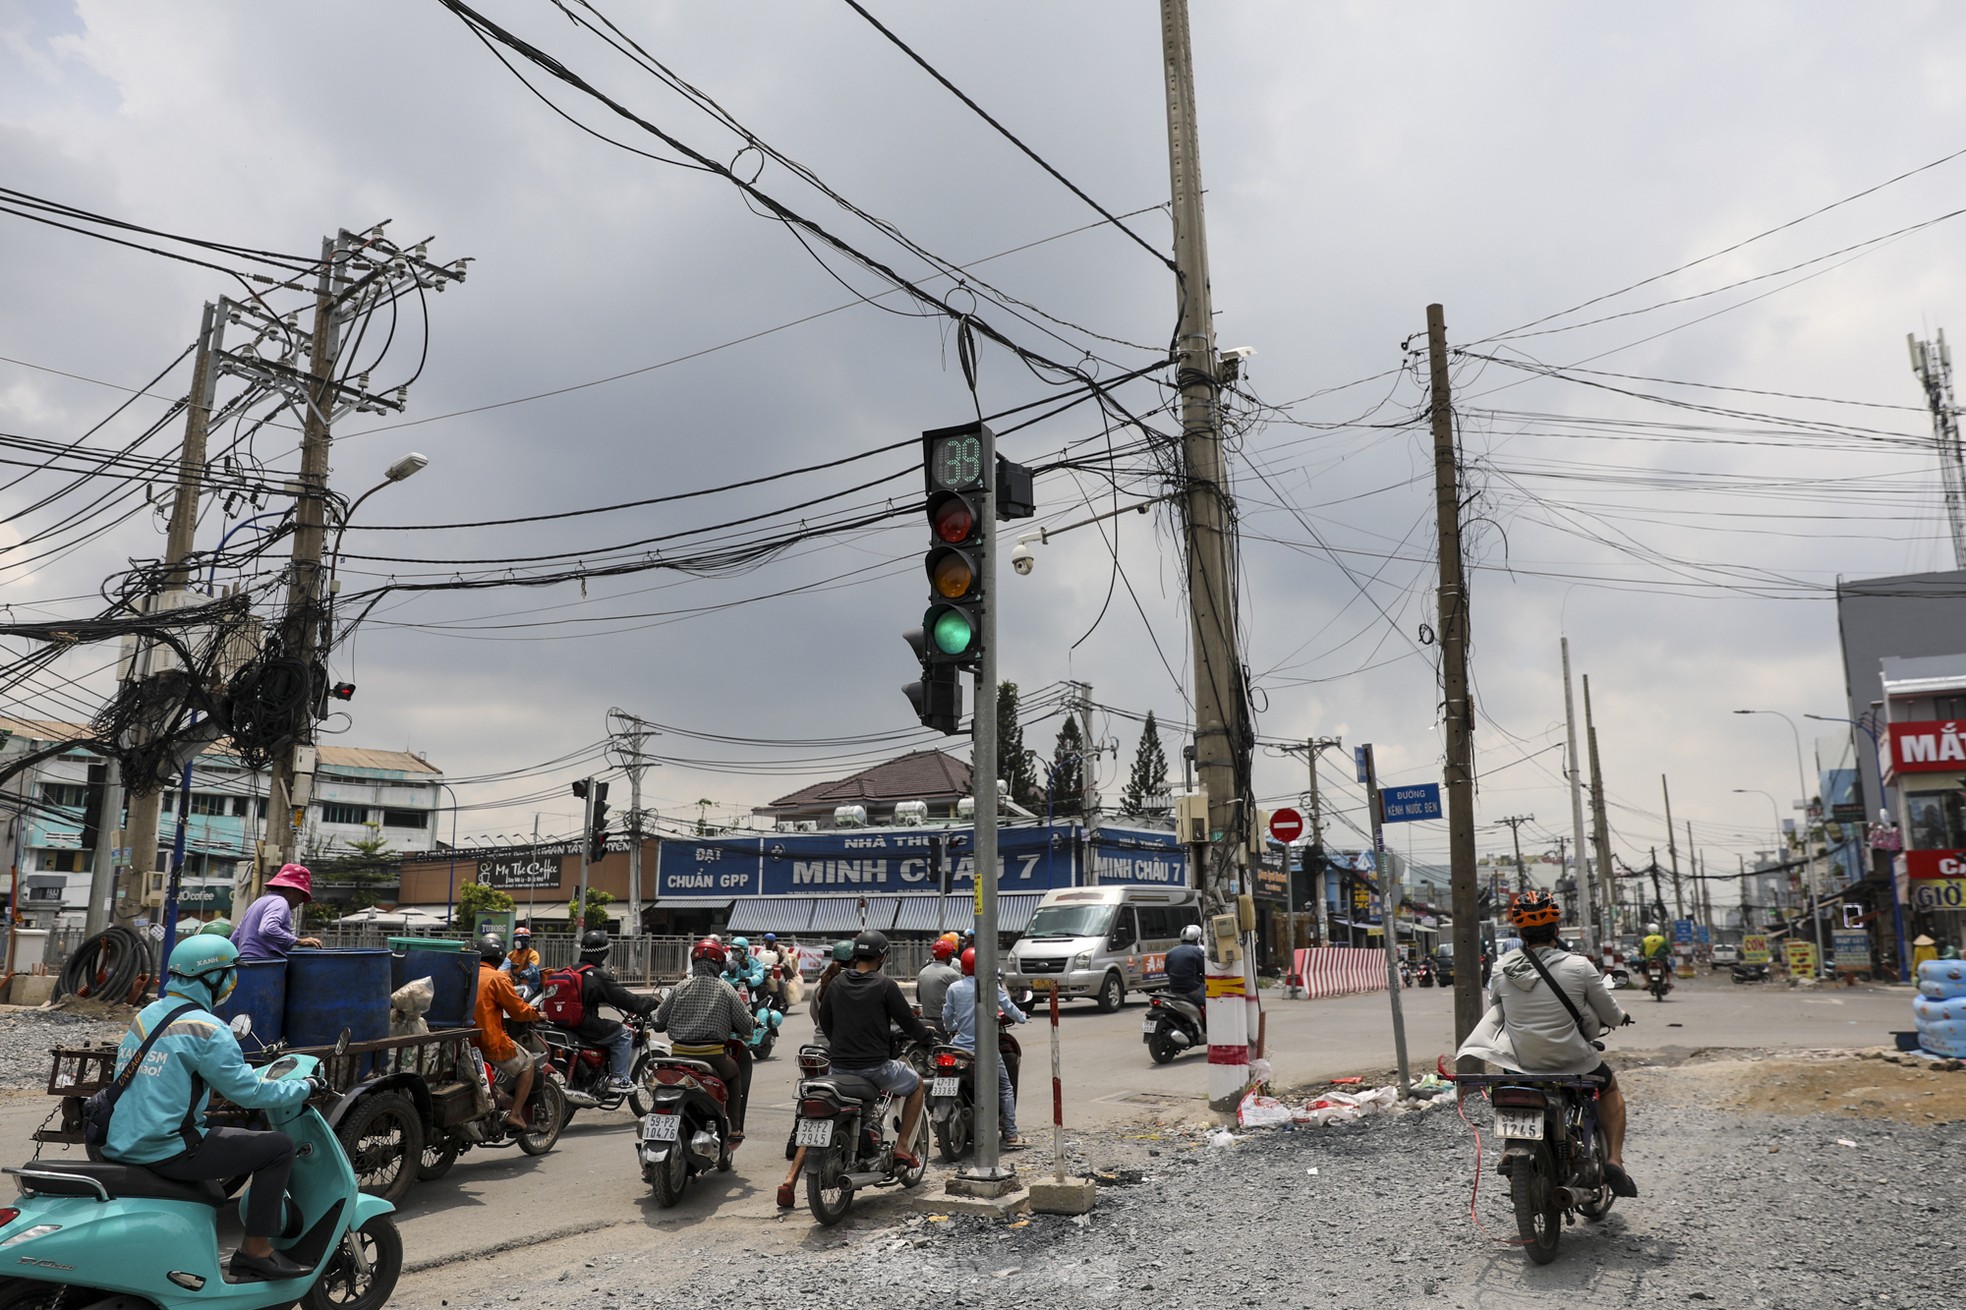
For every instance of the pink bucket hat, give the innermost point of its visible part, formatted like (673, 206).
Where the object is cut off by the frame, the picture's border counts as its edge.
(295, 876)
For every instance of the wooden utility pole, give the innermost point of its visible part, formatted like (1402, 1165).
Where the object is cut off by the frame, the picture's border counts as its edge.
(292, 783)
(1223, 740)
(1459, 710)
(145, 803)
(1672, 853)
(1600, 827)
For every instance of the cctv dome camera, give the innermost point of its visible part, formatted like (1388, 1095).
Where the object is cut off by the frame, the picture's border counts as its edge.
(1021, 558)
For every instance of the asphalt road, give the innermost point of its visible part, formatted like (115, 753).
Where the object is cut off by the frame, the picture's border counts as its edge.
(587, 1191)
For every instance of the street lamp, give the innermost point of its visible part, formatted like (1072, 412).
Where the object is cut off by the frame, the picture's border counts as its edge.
(406, 467)
(1808, 846)
(450, 895)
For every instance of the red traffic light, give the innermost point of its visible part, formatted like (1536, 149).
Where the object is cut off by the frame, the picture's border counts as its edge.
(952, 520)
(342, 691)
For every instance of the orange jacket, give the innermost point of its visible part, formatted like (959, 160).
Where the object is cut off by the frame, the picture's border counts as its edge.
(497, 997)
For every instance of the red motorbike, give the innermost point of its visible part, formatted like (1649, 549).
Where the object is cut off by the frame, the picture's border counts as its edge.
(687, 1129)
(952, 1090)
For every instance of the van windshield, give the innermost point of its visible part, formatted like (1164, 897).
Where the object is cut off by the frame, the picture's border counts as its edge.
(1070, 921)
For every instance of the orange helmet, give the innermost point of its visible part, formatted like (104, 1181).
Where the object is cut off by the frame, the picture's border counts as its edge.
(1533, 909)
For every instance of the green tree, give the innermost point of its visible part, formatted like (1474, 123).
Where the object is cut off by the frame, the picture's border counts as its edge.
(1067, 783)
(474, 898)
(349, 875)
(1017, 766)
(1147, 786)
(597, 908)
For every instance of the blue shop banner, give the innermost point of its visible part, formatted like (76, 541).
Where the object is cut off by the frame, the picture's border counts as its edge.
(875, 860)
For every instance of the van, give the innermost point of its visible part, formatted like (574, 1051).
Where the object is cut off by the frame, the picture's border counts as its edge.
(1101, 942)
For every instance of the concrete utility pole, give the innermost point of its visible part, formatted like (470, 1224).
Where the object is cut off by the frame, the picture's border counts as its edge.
(1672, 852)
(577, 921)
(1458, 711)
(1600, 826)
(1515, 822)
(1932, 361)
(292, 785)
(140, 830)
(634, 763)
(1222, 737)
(1310, 750)
(1584, 885)
(1389, 898)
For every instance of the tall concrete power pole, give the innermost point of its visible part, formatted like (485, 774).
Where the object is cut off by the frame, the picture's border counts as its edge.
(1600, 826)
(1932, 362)
(1584, 883)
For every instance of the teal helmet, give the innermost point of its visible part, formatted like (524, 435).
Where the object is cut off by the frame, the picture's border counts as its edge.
(209, 960)
(740, 943)
(843, 951)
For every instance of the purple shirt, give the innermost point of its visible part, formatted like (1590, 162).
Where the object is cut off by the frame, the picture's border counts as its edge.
(266, 930)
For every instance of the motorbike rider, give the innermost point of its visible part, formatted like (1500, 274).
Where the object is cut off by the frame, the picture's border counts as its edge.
(932, 984)
(857, 1013)
(959, 1017)
(597, 988)
(524, 962)
(1529, 1030)
(741, 968)
(770, 957)
(159, 1122)
(497, 998)
(701, 1014)
(1187, 970)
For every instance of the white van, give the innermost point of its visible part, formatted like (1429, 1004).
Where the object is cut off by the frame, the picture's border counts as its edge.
(1101, 941)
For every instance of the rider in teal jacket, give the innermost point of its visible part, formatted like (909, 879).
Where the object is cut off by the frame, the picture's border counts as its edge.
(743, 968)
(159, 1121)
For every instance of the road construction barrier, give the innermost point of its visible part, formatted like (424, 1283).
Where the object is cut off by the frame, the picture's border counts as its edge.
(1341, 970)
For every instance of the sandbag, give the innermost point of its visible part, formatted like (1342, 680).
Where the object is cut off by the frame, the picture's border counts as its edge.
(407, 1006)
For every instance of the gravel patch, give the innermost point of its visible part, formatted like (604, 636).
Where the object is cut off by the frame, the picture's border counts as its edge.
(26, 1037)
(1741, 1209)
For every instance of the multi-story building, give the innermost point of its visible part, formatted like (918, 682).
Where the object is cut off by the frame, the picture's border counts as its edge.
(1924, 771)
(360, 796)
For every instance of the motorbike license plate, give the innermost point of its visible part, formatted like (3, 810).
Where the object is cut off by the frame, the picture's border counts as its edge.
(814, 1132)
(1522, 1125)
(944, 1087)
(661, 1127)
(1148, 1024)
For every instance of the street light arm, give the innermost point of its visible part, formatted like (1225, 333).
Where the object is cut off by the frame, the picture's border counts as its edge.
(1042, 535)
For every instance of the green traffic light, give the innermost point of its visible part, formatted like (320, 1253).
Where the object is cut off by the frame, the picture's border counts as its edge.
(952, 632)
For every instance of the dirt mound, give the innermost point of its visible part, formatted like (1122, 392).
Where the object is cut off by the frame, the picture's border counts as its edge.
(1859, 1085)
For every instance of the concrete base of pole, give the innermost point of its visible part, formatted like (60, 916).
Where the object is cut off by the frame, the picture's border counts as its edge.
(1014, 1202)
(1064, 1196)
(980, 1185)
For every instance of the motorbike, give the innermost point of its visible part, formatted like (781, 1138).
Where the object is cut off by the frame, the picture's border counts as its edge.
(687, 1129)
(104, 1235)
(546, 1111)
(1172, 1025)
(583, 1069)
(1426, 974)
(767, 1013)
(1658, 979)
(1746, 973)
(1553, 1153)
(951, 1102)
(1405, 973)
(849, 1128)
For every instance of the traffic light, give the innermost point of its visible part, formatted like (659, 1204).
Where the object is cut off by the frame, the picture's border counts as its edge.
(938, 696)
(953, 463)
(342, 691)
(597, 841)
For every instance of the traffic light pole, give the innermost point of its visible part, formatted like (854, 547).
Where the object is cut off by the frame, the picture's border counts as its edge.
(985, 1174)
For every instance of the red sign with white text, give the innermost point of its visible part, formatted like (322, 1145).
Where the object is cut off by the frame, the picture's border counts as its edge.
(1935, 864)
(1928, 747)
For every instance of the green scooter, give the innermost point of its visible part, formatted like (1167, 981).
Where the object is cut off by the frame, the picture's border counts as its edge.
(102, 1235)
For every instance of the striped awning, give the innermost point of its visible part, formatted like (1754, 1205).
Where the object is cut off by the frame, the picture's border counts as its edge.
(841, 914)
(787, 914)
(685, 903)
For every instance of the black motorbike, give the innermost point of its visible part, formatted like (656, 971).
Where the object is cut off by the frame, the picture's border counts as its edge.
(1171, 1026)
(1749, 973)
(687, 1129)
(583, 1067)
(849, 1128)
(952, 1090)
(1658, 979)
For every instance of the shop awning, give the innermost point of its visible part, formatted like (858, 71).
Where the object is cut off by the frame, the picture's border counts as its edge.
(787, 914)
(932, 914)
(682, 903)
(841, 914)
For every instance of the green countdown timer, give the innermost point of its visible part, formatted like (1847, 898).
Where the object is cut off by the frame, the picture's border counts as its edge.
(957, 462)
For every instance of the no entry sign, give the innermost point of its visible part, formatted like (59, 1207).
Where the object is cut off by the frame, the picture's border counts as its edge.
(1286, 826)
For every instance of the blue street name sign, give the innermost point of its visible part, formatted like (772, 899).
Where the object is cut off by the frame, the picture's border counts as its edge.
(1406, 804)
(1682, 931)
(1362, 757)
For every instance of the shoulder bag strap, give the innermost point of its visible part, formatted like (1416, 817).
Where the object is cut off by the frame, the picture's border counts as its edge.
(1561, 995)
(150, 1040)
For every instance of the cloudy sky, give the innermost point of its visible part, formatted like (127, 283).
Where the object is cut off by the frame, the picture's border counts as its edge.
(1748, 431)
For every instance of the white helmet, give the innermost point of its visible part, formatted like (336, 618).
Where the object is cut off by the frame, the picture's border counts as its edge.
(1652, 928)
(1191, 933)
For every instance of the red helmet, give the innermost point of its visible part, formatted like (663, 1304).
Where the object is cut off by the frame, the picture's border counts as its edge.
(942, 949)
(969, 963)
(709, 949)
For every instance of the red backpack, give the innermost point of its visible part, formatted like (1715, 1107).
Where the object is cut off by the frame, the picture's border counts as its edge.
(564, 1004)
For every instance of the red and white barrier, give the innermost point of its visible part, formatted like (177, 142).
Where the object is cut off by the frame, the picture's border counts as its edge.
(1341, 970)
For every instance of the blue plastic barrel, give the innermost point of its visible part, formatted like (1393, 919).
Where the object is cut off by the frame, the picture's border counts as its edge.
(451, 967)
(261, 995)
(331, 990)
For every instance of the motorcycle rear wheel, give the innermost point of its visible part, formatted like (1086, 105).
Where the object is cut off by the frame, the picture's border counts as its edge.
(549, 1114)
(1537, 1218)
(765, 1043)
(1161, 1047)
(439, 1154)
(383, 1137)
(1595, 1210)
(827, 1194)
(641, 1101)
(952, 1136)
(341, 1288)
(671, 1177)
(913, 1177)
